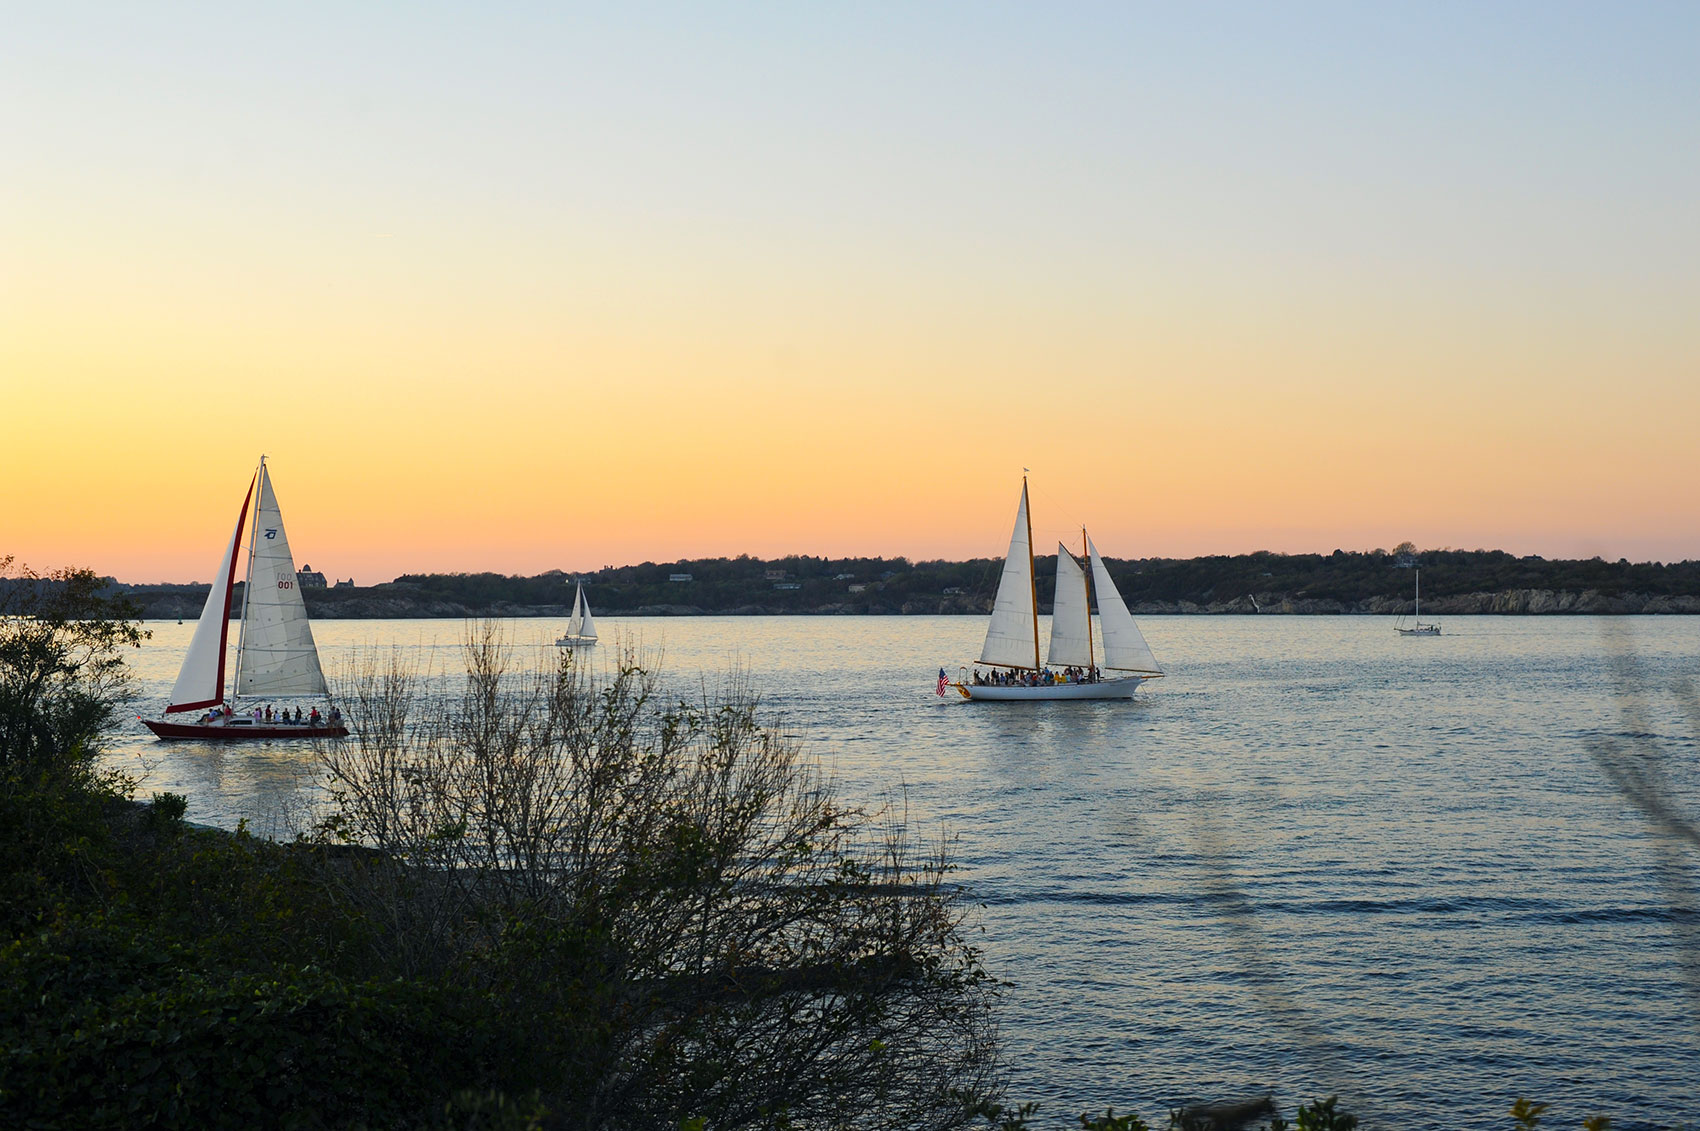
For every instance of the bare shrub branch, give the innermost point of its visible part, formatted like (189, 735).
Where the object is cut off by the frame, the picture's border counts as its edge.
(694, 923)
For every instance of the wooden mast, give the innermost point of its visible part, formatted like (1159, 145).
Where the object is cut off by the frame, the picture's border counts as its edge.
(1032, 572)
(1086, 583)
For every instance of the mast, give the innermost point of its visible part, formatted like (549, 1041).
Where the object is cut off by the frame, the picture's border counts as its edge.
(1086, 583)
(248, 580)
(1419, 613)
(1032, 577)
(1011, 632)
(200, 681)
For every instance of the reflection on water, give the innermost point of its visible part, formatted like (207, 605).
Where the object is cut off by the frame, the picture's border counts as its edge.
(1318, 855)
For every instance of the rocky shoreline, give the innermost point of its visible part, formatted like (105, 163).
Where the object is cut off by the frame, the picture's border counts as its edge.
(1509, 602)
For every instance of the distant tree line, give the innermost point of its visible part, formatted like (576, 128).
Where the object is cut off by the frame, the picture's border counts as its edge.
(1355, 580)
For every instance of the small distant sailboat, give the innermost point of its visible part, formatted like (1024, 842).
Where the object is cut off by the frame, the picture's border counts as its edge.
(1418, 628)
(581, 626)
(275, 654)
(1012, 639)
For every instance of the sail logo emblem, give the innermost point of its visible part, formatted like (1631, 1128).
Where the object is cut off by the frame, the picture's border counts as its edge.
(272, 533)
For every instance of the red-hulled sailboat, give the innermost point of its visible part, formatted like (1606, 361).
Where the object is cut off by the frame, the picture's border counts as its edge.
(277, 662)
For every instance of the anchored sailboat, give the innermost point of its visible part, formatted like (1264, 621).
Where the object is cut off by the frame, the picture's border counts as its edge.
(1418, 628)
(581, 626)
(1071, 669)
(276, 658)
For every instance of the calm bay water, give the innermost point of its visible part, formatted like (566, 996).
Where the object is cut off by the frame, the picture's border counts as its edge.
(1317, 857)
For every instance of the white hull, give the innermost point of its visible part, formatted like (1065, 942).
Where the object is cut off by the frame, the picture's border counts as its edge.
(575, 641)
(1012, 637)
(1103, 689)
(1420, 630)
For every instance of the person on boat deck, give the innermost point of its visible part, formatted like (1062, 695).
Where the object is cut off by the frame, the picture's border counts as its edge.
(336, 715)
(313, 719)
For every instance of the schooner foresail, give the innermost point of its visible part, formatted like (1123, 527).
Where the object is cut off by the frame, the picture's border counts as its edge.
(1072, 668)
(1071, 615)
(1012, 638)
(276, 658)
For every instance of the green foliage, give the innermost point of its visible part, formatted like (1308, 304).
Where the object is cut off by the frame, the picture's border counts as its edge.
(62, 675)
(1527, 1114)
(1321, 1116)
(165, 813)
(999, 1115)
(204, 979)
(137, 1032)
(55, 845)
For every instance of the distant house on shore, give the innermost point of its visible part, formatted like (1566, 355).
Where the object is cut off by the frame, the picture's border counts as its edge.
(678, 577)
(844, 577)
(953, 591)
(775, 575)
(857, 588)
(787, 584)
(309, 578)
(349, 584)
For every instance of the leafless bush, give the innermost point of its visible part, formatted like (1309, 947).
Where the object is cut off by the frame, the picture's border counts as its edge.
(673, 898)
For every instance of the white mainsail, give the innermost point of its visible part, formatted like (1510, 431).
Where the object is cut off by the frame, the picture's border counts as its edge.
(1071, 617)
(200, 681)
(1012, 639)
(276, 655)
(1124, 645)
(576, 621)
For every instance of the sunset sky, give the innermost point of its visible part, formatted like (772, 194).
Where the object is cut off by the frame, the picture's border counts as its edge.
(531, 286)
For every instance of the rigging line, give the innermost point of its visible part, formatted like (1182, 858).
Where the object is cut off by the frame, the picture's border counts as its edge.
(1053, 533)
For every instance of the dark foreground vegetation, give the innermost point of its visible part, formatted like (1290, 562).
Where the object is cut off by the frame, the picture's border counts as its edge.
(1376, 582)
(541, 901)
